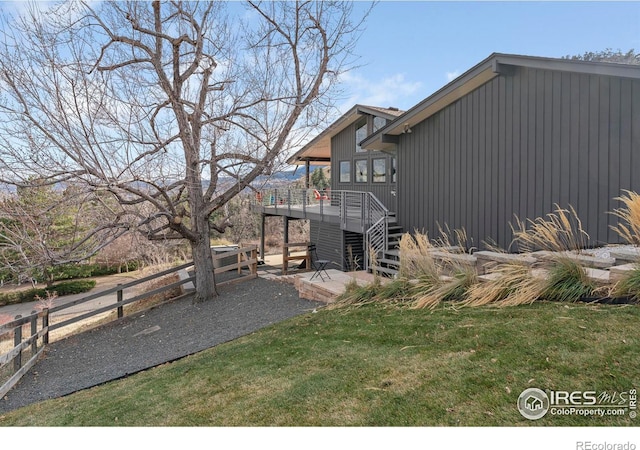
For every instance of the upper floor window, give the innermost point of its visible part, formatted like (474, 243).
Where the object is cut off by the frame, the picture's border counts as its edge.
(361, 133)
(378, 122)
(345, 171)
(379, 173)
(361, 170)
(393, 170)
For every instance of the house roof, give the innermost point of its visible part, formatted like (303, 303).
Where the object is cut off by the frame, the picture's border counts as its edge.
(319, 148)
(496, 64)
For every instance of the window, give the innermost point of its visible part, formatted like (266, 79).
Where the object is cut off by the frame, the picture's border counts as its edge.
(345, 171)
(378, 122)
(361, 171)
(361, 133)
(393, 170)
(379, 173)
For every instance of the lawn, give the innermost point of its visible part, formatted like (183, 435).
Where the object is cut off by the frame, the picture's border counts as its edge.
(377, 365)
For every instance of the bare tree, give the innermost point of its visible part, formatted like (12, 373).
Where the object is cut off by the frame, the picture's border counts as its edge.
(172, 108)
(42, 228)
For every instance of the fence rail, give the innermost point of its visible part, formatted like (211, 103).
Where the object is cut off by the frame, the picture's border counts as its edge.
(38, 337)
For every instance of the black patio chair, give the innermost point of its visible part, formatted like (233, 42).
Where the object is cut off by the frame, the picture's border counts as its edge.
(319, 265)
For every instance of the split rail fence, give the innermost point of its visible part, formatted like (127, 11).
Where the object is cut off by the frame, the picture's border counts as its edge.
(31, 333)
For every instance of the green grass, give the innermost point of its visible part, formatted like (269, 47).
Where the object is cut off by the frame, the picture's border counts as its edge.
(376, 365)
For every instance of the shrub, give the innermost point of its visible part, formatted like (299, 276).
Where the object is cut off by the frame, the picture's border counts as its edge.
(73, 271)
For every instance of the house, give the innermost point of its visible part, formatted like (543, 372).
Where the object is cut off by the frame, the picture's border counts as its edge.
(513, 136)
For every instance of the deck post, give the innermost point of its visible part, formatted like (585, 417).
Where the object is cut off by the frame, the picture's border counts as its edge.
(254, 265)
(34, 331)
(285, 233)
(119, 299)
(262, 236)
(307, 184)
(17, 340)
(45, 324)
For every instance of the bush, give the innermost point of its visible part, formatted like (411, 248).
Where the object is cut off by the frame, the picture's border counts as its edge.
(30, 295)
(72, 271)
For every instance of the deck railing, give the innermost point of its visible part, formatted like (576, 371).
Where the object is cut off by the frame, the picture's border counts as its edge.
(352, 207)
(355, 209)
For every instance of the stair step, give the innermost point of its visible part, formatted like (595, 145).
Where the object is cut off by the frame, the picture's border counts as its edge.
(395, 235)
(393, 262)
(385, 270)
(395, 253)
(394, 228)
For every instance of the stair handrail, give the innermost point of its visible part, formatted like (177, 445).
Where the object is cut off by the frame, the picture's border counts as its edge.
(376, 241)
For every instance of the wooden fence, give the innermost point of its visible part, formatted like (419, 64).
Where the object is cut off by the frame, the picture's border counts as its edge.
(31, 333)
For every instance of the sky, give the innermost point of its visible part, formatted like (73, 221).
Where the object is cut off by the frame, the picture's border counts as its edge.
(410, 49)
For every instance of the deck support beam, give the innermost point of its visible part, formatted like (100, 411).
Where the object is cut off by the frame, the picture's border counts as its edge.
(262, 221)
(285, 233)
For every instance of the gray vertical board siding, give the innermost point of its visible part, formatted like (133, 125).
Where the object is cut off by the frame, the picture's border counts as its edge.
(329, 241)
(343, 148)
(517, 146)
(615, 172)
(503, 165)
(603, 154)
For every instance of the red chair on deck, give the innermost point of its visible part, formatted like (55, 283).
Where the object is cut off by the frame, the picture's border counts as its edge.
(320, 196)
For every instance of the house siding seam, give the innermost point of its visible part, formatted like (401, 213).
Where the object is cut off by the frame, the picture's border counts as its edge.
(516, 146)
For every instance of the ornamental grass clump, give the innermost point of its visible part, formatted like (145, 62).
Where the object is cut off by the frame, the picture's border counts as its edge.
(437, 274)
(512, 284)
(447, 288)
(629, 286)
(628, 229)
(508, 284)
(417, 261)
(568, 282)
(561, 231)
(629, 214)
(356, 294)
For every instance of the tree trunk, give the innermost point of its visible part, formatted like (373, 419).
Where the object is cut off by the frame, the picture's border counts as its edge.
(203, 262)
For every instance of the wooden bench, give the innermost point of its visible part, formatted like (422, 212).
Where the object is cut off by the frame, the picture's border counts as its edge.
(286, 255)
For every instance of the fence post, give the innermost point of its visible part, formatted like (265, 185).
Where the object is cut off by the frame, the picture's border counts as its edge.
(254, 258)
(34, 332)
(119, 300)
(17, 340)
(45, 325)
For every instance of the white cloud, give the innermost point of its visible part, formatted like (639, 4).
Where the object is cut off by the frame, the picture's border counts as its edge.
(393, 90)
(452, 75)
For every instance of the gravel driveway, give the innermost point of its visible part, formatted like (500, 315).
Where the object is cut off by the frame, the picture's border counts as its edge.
(154, 337)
